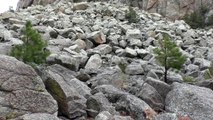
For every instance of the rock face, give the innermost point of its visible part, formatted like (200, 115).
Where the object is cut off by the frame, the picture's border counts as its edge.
(173, 9)
(26, 3)
(22, 90)
(170, 8)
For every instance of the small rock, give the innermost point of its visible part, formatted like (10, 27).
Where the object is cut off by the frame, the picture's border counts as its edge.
(94, 62)
(97, 37)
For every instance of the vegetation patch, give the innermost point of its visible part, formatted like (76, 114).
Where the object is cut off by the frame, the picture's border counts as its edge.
(32, 51)
(132, 16)
(198, 18)
(169, 55)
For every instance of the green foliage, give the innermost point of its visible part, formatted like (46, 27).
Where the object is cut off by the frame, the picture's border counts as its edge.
(32, 50)
(197, 18)
(168, 55)
(208, 74)
(132, 16)
(122, 66)
(210, 20)
(188, 79)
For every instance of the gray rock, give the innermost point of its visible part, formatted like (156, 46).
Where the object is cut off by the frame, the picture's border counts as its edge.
(60, 42)
(124, 101)
(22, 90)
(117, 117)
(105, 115)
(78, 20)
(142, 53)
(103, 49)
(135, 42)
(174, 77)
(162, 88)
(191, 68)
(133, 34)
(94, 62)
(70, 62)
(205, 83)
(5, 35)
(98, 103)
(80, 6)
(109, 76)
(189, 100)
(202, 63)
(132, 105)
(130, 52)
(38, 116)
(134, 69)
(166, 116)
(145, 92)
(69, 92)
(97, 37)
(81, 44)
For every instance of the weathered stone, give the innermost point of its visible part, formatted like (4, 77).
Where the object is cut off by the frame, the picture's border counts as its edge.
(134, 69)
(78, 20)
(22, 90)
(98, 103)
(38, 116)
(97, 37)
(67, 61)
(145, 92)
(103, 49)
(105, 115)
(94, 62)
(202, 63)
(162, 88)
(109, 76)
(69, 92)
(166, 116)
(189, 100)
(80, 6)
(124, 101)
(130, 52)
(133, 34)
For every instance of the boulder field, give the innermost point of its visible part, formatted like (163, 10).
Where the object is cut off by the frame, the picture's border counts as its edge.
(103, 68)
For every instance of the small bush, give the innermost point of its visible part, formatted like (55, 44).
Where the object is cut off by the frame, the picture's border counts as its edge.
(208, 74)
(132, 16)
(188, 79)
(33, 48)
(169, 55)
(210, 21)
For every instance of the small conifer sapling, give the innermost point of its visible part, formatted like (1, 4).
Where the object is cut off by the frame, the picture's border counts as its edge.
(169, 55)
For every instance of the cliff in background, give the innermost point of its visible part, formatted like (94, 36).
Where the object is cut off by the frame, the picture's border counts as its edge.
(173, 9)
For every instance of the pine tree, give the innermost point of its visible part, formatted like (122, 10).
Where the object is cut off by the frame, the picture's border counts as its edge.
(168, 55)
(33, 48)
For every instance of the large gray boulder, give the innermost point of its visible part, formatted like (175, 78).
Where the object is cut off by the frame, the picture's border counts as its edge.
(192, 101)
(69, 92)
(109, 76)
(98, 103)
(124, 102)
(22, 90)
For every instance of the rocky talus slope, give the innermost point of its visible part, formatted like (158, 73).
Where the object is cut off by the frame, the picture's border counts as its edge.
(103, 68)
(173, 9)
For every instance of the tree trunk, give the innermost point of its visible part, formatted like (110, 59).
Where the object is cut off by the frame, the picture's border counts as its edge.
(165, 75)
